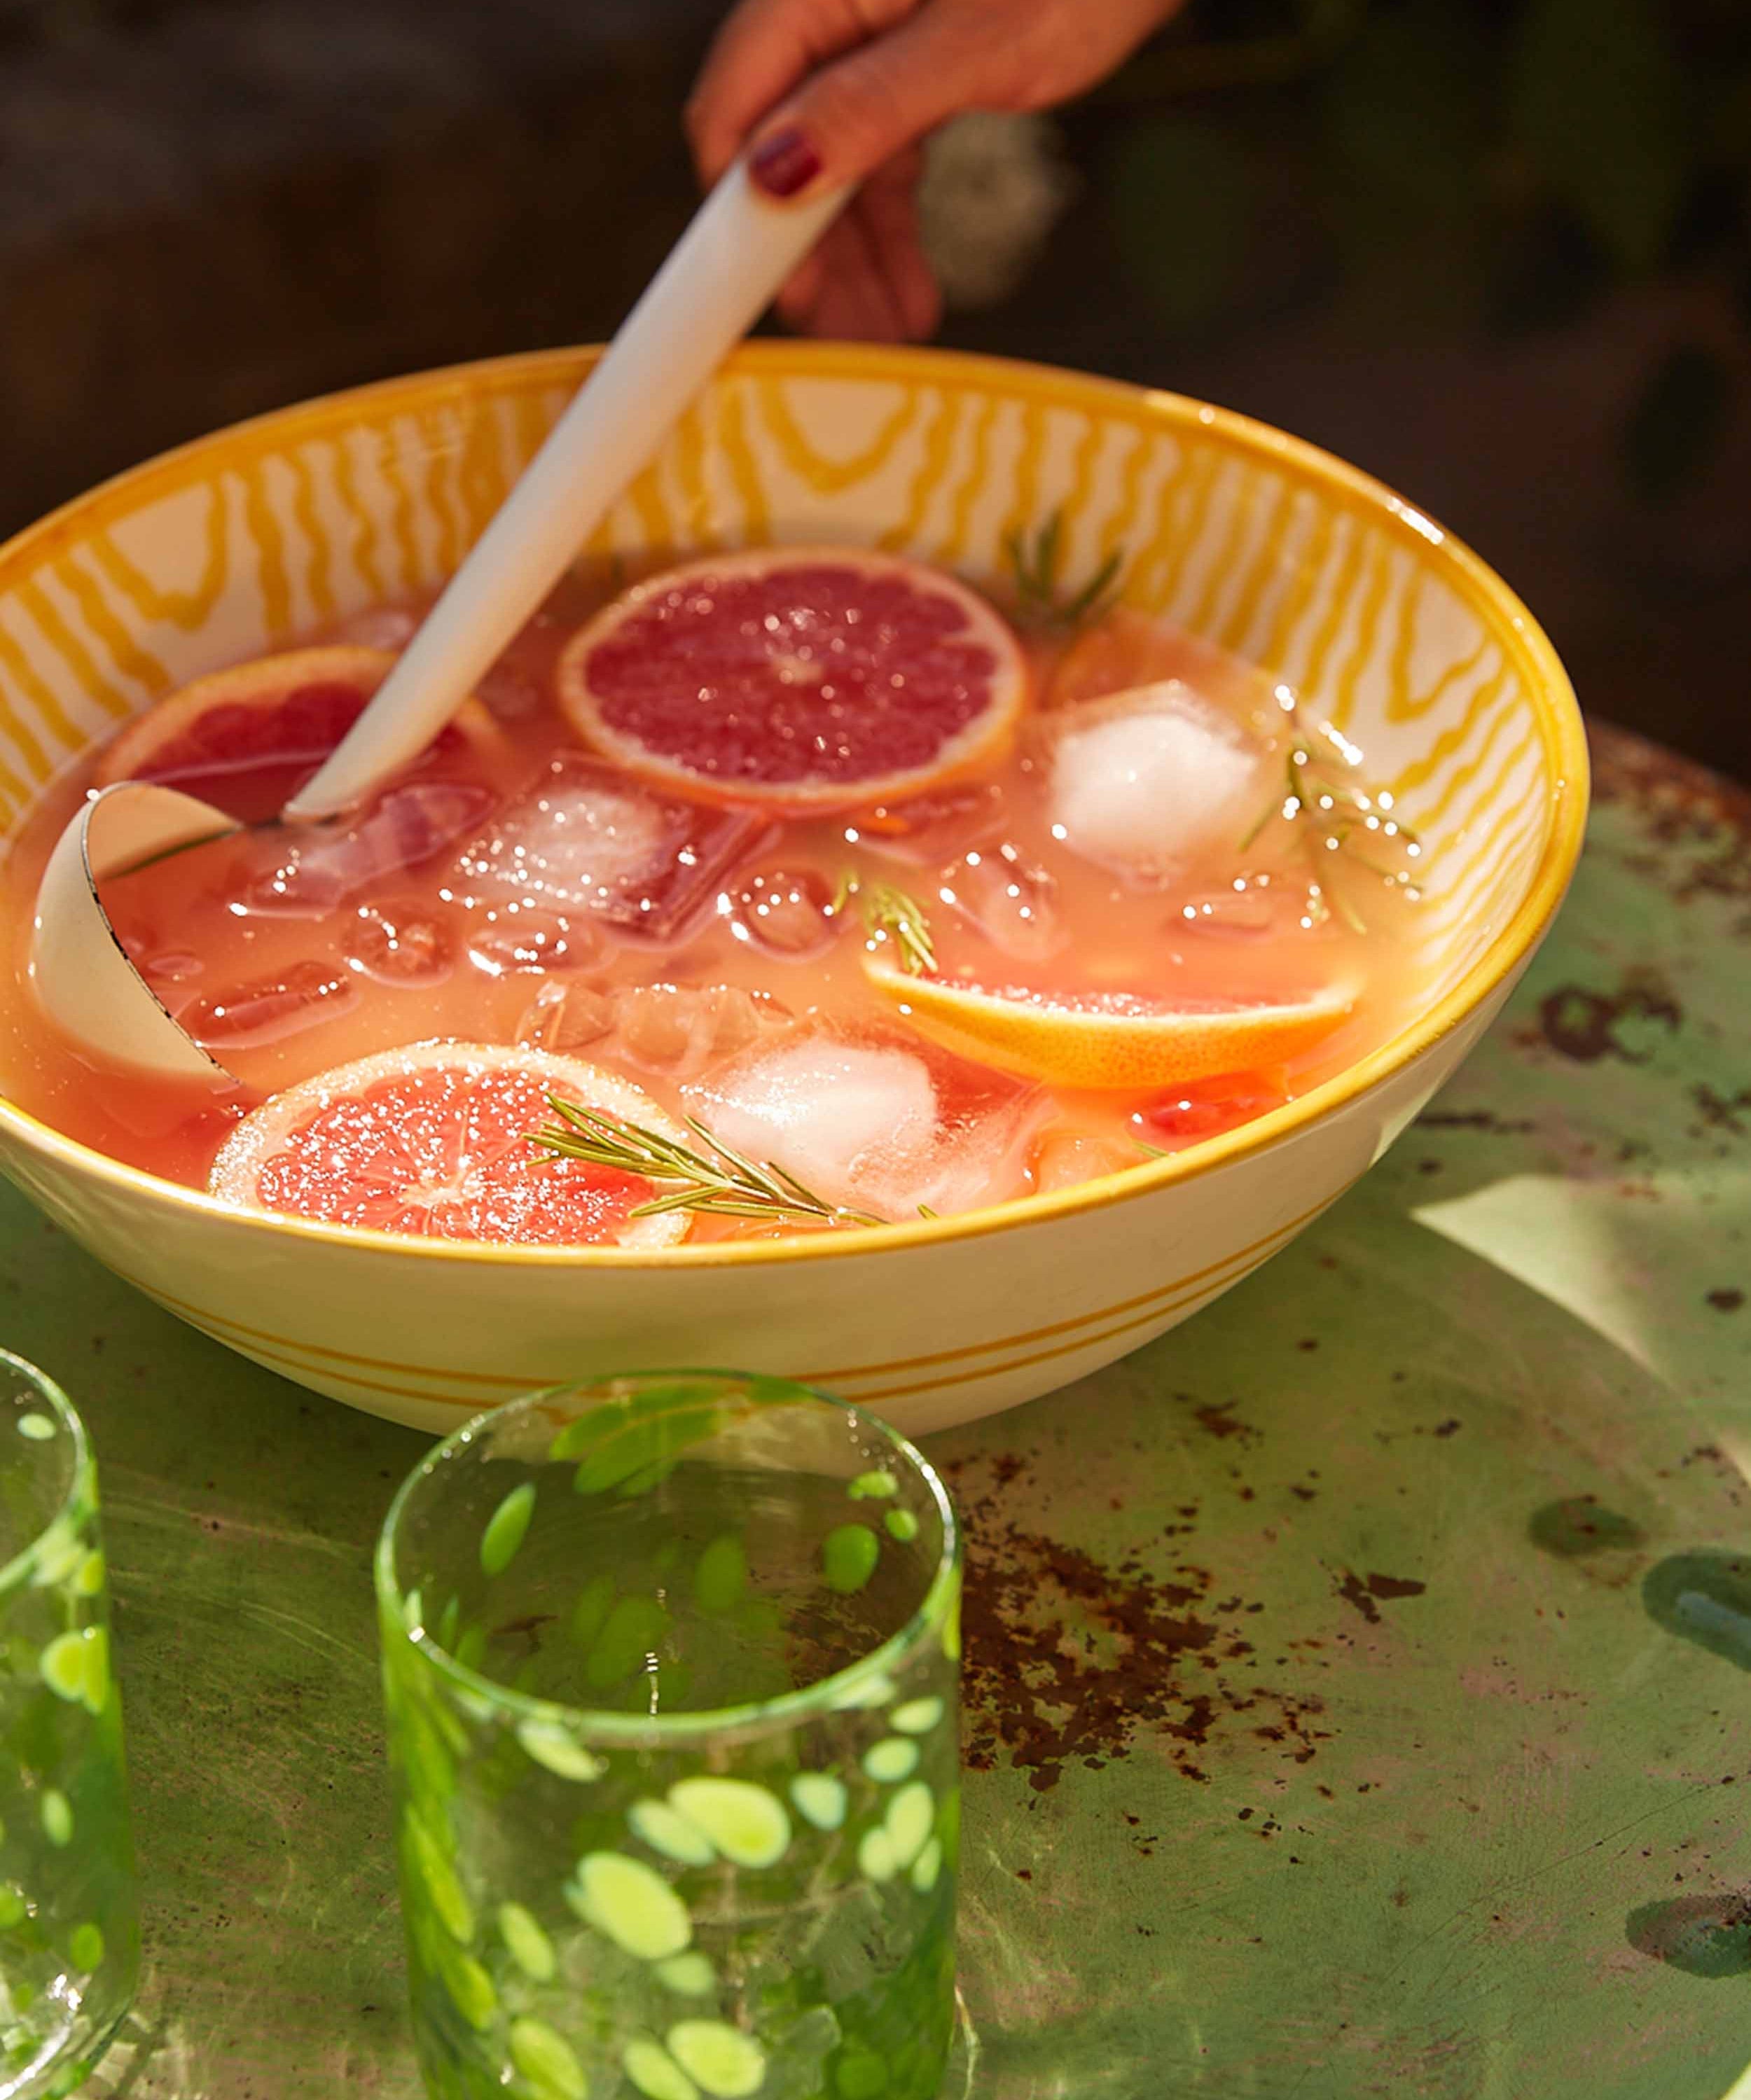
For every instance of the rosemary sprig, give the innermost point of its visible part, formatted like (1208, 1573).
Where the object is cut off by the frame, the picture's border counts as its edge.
(895, 913)
(1330, 811)
(717, 1182)
(1035, 564)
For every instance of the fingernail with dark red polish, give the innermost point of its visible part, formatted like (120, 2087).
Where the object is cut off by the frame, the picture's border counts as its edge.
(785, 163)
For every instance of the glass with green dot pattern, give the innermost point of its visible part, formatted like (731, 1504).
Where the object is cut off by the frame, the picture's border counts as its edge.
(672, 1666)
(69, 1935)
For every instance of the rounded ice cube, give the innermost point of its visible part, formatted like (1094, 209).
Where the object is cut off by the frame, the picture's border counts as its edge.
(1150, 779)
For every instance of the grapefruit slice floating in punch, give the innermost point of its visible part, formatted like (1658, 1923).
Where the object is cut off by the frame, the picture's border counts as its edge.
(798, 679)
(1109, 1041)
(246, 738)
(433, 1141)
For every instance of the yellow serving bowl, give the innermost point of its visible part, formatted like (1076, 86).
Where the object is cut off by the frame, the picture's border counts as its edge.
(1402, 638)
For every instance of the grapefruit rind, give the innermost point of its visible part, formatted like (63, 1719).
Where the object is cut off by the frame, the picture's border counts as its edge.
(263, 683)
(983, 740)
(261, 1136)
(1124, 649)
(1127, 649)
(1129, 1046)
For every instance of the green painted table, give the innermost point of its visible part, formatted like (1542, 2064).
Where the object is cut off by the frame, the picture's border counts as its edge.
(1356, 1677)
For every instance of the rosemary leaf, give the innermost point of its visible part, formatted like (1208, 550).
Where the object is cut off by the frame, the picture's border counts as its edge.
(681, 1199)
(728, 1186)
(1326, 807)
(1047, 553)
(1347, 911)
(1034, 568)
(786, 1185)
(895, 914)
(1256, 830)
(761, 1181)
(1093, 596)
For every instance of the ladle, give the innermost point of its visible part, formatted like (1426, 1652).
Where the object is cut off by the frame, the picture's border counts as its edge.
(732, 258)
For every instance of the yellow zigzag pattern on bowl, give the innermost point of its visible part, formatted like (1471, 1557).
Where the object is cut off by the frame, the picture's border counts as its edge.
(232, 545)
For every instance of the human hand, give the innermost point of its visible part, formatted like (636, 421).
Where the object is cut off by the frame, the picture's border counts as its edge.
(835, 91)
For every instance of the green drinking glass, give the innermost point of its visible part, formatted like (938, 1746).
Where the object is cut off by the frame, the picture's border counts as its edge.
(69, 1931)
(672, 1665)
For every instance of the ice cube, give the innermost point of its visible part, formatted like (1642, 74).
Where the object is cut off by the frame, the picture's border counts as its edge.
(679, 1030)
(169, 966)
(877, 1121)
(685, 1030)
(1150, 779)
(565, 1017)
(145, 946)
(1012, 902)
(520, 681)
(788, 913)
(270, 1008)
(524, 937)
(398, 942)
(1253, 908)
(1066, 1158)
(512, 691)
(403, 827)
(581, 838)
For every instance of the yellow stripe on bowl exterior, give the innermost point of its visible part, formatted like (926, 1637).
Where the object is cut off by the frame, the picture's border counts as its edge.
(1388, 627)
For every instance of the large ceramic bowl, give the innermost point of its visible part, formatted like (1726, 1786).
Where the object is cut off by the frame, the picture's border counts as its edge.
(1404, 638)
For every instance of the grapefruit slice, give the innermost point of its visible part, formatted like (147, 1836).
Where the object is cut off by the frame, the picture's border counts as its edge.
(1108, 1041)
(798, 679)
(1195, 1109)
(246, 738)
(433, 1140)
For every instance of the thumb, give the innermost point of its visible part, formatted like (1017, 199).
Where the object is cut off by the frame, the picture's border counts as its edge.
(859, 111)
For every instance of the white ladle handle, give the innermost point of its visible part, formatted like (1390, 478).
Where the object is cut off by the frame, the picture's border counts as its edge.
(722, 273)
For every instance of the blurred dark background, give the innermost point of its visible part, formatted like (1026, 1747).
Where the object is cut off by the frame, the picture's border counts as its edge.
(1498, 252)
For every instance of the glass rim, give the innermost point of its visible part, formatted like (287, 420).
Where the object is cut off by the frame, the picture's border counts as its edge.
(63, 1409)
(643, 1730)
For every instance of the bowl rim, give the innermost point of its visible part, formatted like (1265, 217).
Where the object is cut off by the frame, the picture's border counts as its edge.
(1555, 709)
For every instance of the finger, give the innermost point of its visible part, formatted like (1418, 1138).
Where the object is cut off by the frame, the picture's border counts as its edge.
(764, 49)
(862, 108)
(801, 297)
(837, 254)
(888, 203)
(883, 319)
(802, 287)
(853, 299)
(885, 244)
(865, 108)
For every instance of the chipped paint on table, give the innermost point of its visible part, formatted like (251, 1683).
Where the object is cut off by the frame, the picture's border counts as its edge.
(1356, 1675)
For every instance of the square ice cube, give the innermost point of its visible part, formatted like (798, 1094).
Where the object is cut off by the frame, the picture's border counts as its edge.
(1148, 780)
(329, 864)
(582, 838)
(875, 1120)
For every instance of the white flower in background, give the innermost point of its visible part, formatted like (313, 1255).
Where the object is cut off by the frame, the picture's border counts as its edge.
(994, 187)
